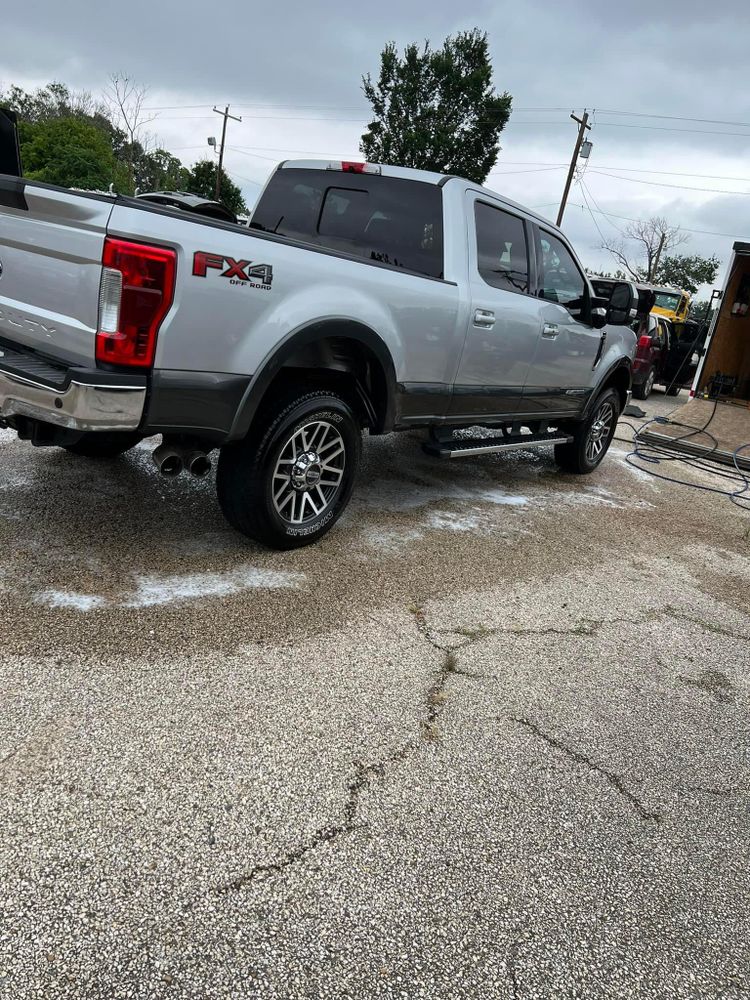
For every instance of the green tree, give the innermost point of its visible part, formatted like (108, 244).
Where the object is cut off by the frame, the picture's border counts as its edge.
(54, 100)
(687, 271)
(159, 170)
(71, 152)
(436, 109)
(201, 179)
(119, 122)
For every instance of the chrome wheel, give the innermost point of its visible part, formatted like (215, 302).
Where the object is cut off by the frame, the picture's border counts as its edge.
(309, 472)
(600, 432)
(648, 387)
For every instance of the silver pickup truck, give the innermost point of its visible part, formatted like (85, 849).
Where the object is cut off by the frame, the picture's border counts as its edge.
(360, 296)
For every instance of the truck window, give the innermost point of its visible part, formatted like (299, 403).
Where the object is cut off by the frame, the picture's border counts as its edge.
(668, 301)
(502, 253)
(385, 219)
(560, 278)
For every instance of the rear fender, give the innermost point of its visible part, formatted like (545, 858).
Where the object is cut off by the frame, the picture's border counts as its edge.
(303, 338)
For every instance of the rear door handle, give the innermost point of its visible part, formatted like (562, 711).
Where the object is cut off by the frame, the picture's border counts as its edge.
(484, 317)
(550, 330)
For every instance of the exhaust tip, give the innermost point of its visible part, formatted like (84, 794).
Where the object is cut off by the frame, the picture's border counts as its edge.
(199, 465)
(168, 461)
(171, 466)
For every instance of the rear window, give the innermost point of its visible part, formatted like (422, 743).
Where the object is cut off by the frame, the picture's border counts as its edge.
(385, 219)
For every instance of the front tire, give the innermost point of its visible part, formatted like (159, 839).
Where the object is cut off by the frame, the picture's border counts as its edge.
(103, 445)
(288, 482)
(591, 437)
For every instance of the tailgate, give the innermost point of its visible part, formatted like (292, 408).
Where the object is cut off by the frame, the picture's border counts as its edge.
(51, 244)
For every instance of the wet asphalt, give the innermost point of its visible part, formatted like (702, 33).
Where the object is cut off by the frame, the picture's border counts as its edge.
(488, 739)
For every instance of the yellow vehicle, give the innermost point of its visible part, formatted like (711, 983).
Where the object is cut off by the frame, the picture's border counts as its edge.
(672, 303)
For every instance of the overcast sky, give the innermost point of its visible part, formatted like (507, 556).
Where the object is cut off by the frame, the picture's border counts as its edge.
(292, 71)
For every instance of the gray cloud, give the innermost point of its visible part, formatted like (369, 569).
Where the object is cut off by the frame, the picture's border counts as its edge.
(297, 63)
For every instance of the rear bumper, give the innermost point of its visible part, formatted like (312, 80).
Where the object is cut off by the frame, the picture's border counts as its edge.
(77, 399)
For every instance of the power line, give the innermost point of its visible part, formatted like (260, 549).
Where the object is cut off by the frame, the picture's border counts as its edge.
(358, 108)
(672, 118)
(309, 107)
(511, 124)
(684, 229)
(257, 156)
(515, 163)
(681, 187)
(596, 205)
(534, 170)
(586, 201)
(248, 180)
(631, 170)
(503, 163)
(666, 128)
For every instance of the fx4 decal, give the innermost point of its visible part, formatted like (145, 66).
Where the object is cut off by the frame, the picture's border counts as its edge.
(239, 272)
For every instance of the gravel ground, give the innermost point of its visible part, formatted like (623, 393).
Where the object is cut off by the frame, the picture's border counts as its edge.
(488, 739)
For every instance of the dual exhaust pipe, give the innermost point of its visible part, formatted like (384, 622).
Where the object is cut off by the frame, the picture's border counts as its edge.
(171, 460)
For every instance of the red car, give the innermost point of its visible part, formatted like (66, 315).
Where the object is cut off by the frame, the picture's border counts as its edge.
(662, 356)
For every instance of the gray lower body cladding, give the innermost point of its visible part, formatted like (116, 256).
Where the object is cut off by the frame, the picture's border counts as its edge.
(204, 404)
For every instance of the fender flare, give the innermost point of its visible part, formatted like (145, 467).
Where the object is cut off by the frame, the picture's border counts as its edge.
(622, 362)
(321, 329)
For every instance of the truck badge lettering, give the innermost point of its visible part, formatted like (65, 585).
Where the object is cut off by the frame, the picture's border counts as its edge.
(239, 272)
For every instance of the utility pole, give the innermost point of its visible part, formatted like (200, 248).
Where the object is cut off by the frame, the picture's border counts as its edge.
(225, 115)
(583, 127)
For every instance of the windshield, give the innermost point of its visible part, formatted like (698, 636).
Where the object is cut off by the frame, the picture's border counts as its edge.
(667, 300)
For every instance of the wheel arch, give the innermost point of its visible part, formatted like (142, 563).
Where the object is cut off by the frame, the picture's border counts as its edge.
(619, 376)
(342, 353)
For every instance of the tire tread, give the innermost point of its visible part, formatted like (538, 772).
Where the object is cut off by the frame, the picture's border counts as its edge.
(239, 480)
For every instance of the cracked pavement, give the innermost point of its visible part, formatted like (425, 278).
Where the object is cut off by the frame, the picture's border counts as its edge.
(489, 739)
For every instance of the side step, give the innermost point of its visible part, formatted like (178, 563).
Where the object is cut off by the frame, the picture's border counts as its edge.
(460, 447)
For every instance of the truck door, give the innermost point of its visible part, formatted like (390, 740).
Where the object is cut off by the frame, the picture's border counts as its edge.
(567, 345)
(503, 323)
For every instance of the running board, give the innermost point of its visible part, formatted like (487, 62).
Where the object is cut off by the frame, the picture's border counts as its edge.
(461, 447)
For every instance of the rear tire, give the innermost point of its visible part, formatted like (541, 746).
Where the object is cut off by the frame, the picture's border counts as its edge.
(288, 482)
(644, 390)
(591, 437)
(103, 445)
(674, 390)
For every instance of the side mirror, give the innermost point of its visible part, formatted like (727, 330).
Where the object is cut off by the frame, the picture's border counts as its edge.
(599, 314)
(623, 304)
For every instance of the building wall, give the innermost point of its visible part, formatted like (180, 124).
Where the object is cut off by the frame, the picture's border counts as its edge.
(729, 351)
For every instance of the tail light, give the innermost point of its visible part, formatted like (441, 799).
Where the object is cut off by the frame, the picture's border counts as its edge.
(644, 342)
(136, 292)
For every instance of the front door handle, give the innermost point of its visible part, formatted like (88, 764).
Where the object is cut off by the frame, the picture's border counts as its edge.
(484, 317)
(550, 330)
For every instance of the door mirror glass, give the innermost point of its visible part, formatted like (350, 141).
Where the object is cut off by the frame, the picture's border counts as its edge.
(623, 304)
